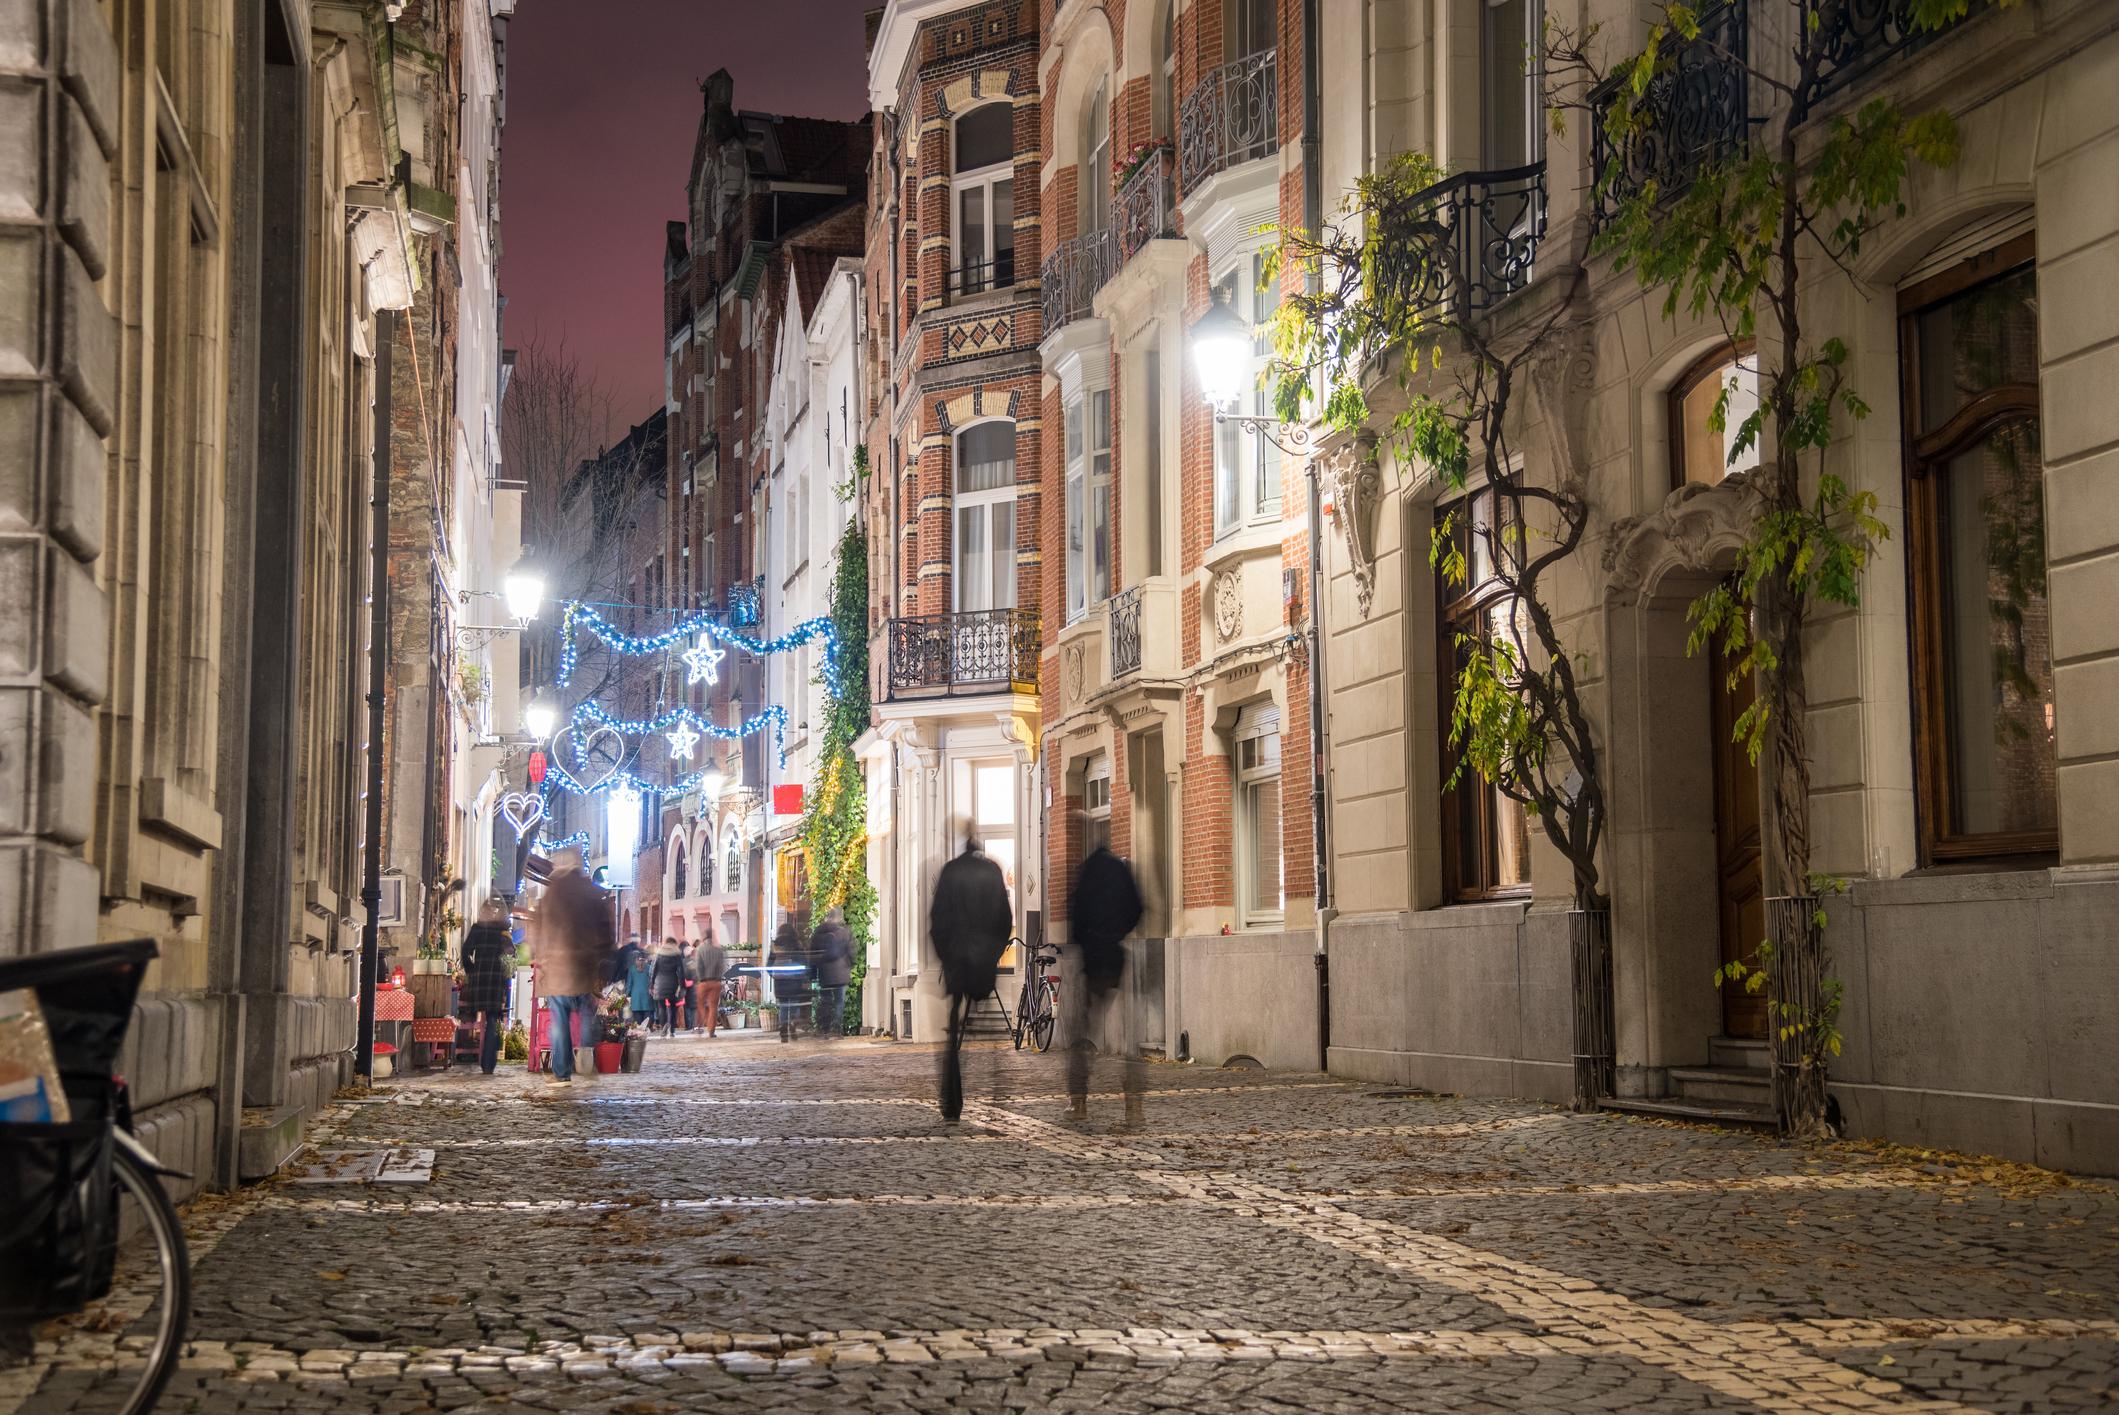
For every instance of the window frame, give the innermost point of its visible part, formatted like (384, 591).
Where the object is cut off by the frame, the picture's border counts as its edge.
(1924, 455)
(961, 501)
(1162, 79)
(1096, 804)
(987, 179)
(1697, 372)
(1096, 169)
(1255, 722)
(1087, 435)
(1250, 506)
(1525, 69)
(1469, 876)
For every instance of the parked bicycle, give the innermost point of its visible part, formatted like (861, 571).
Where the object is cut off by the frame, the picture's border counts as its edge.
(1037, 1008)
(78, 1184)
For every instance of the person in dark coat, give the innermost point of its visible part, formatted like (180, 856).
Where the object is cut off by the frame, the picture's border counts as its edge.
(1104, 907)
(666, 985)
(831, 946)
(792, 988)
(488, 955)
(970, 922)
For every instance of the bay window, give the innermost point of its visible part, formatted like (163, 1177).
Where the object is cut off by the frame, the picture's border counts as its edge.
(982, 195)
(1088, 501)
(1247, 464)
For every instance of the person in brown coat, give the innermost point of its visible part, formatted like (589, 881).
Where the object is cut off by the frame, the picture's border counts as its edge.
(571, 939)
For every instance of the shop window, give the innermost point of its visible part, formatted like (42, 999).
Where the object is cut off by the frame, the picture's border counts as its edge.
(1485, 835)
(1259, 880)
(1975, 506)
(1699, 451)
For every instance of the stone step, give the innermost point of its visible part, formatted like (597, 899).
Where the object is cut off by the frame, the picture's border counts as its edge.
(1749, 1053)
(1719, 1085)
(1739, 1117)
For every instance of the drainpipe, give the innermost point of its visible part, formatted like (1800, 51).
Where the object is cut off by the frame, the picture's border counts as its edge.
(1312, 220)
(378, 654)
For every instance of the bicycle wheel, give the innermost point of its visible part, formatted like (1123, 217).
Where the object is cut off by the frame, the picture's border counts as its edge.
(1024, 1007)
(1041, 1025)
(172, 1310)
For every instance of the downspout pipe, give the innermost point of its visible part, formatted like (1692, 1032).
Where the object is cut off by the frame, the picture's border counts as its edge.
(1313, 220)
(378, 655)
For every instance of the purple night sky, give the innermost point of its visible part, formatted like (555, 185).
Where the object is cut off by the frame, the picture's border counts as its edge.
(603, 104)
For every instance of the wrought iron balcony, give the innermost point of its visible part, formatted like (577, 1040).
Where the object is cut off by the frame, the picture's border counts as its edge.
(1696, 111)
(1072, 275)
(1465, 244)
(1147, 205)
(1124, 635)
(1854, 36)
(1232, 116)
(987, 650)
(744, 601)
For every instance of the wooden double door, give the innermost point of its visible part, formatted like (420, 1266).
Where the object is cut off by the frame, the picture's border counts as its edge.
(1739, 845)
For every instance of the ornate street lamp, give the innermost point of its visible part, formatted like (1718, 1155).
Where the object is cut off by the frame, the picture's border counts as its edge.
(1221, 354)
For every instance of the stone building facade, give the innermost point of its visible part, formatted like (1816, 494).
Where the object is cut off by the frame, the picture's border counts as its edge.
(1959, 720)
(956, 432)
(205, 240)
(1177, 603)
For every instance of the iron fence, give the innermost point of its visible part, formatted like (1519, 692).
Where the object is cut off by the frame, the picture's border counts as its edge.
(979, 277)
(1125, 632)
(1853, 37)
(1695, 111)
(1147, 205)
(1072, 275)
(1465, 244)
(1232, 116)
(982, 649)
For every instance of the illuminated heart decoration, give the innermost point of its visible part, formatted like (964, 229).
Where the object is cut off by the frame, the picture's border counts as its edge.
(584, 746)
(522, 810)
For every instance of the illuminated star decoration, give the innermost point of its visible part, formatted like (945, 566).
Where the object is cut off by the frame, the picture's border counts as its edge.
(682, 740)
(704, 661)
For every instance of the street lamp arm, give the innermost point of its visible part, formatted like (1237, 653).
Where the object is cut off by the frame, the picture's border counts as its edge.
(1296, 435)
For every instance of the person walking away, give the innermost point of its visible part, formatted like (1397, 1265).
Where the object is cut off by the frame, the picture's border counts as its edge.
(970, 922)
(790, 987)
(572, 940)
(1104, 907)
(709, 974)
(665, 985)
(487, 952)
(639, 978)
(832, 948)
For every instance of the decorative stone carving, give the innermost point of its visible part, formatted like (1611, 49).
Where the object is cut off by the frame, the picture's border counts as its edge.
(1356, 484)
(1228, 603)
(1692, 530)
(1076, 665)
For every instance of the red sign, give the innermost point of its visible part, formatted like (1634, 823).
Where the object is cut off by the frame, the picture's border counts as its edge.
(787, 800)
(537, 767)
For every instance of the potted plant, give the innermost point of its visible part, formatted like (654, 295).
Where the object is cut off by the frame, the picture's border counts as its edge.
(1137, 157)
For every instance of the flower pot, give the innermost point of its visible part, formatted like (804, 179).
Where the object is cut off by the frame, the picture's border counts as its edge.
(610, 1057)
(635, 1051)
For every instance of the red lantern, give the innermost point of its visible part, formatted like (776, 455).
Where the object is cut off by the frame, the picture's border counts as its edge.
(397, 978)
(537, 767)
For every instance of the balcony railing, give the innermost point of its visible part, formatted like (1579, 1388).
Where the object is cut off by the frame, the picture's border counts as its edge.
(1696, 111)
(1233, 116)
(1125, 632)
(1147, 205)
(1854, 36)
(980, 277)
(982, 650)
(744, 601)
(1465, 244)
(1072, 275)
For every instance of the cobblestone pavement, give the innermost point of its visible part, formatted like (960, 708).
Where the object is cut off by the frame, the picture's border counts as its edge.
(748, 1226)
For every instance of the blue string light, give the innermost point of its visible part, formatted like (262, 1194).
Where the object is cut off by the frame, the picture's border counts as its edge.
(683, 634)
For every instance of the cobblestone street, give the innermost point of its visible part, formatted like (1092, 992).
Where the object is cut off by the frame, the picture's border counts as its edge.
(751, 1226)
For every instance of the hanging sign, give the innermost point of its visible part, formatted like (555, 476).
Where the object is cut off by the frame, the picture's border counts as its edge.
(787, 799)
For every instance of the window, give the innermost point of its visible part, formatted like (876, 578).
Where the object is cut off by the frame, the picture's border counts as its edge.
(1258, 862)
(1164, 80)
(1249, 27)
(677, 878)
(983, 192)
(1698, 452)
(1485, 835)
(1247, 465)
(985, 517)
(984, 791)
(732, 864)
(705, 856)
(1152, 462)
(1096, 803)
(1511, 34)
(1982, 645)
(1088, 501)
(1095, 174)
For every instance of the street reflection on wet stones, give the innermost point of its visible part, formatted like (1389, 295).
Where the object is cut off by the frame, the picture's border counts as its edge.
(751, 1225)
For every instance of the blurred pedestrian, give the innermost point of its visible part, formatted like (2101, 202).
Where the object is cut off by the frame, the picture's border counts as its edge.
(832, 948)
(970, 923)
(488, 952)
(639, 978)
(790, 964)
(572, 940)
(665, 986)
(1102, 910)
(709, 967)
